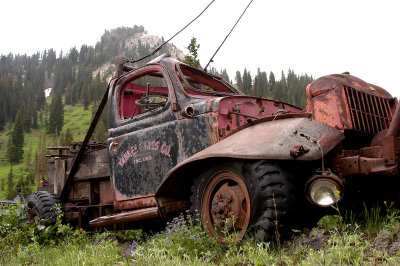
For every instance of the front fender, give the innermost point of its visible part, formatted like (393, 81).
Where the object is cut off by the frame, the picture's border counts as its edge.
(268, 140)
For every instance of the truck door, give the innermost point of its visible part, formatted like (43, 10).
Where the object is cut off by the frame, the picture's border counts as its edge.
(143, 143)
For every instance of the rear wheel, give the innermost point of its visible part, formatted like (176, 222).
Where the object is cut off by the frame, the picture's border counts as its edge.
(240, 195)
(42, 205)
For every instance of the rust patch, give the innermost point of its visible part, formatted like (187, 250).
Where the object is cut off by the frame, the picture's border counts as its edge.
(125, 217)
(226, 196)
(136, 203)
(298, 150)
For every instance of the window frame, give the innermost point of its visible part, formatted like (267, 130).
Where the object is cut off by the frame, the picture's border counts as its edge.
(139, 73)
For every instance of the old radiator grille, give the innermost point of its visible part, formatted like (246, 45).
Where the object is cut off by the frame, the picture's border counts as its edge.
(369, 113)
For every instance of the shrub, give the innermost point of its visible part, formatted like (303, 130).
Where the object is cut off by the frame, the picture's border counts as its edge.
(181, 241)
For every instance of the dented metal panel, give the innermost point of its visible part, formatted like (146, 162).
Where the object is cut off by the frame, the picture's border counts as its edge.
(269, 140)
(274, 140)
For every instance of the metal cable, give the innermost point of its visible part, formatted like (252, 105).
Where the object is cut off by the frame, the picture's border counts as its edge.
(211, 59)
(156, 50)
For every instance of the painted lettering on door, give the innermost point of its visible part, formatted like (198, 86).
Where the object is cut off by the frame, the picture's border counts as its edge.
(144, 151)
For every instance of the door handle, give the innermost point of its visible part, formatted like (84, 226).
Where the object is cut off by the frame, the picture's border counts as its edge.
(112, 145)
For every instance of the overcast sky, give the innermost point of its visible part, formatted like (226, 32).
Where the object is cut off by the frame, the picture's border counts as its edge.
(314, 37)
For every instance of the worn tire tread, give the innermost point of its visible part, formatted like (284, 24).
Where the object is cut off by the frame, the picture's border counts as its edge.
(44, 203)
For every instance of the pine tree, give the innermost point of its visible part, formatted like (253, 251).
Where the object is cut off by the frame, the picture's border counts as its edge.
(3, 114)
(66, 138)
(51, 61)
(100, 133)
(10, 185)
(193, 48)
(86, 95)
(247, 82)
(284, 90)
(28, 117)
(23, 186)
(271, 82)
(260, 83)
(56, 116)
(224, 75)
(15, 145)
(239, 80)
(34, 116)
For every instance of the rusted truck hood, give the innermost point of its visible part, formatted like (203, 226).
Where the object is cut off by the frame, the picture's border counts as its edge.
(330, 82)
(230, 114)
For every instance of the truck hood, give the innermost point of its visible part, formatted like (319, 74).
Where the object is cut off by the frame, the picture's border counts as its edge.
(232, 113)
(255, 107)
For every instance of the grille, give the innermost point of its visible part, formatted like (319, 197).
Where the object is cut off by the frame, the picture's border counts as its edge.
(369, 113)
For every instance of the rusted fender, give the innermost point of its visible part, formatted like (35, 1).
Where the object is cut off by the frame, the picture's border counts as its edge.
(296, 138)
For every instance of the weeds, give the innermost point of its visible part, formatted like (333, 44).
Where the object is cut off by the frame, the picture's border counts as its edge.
(181, 240)
(351, 240)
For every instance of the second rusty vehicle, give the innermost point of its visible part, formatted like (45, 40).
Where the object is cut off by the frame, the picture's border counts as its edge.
(183, 139)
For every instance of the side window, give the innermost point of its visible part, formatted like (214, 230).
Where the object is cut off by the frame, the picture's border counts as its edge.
(196, 82)
(142, 94)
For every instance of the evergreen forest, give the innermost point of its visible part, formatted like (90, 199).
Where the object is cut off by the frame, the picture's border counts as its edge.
(29, 122)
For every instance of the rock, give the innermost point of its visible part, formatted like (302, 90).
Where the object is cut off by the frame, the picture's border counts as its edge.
(383, 240)
(395, 247)
(316, 239)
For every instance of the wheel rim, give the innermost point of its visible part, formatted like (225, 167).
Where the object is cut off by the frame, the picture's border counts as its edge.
(226, 206)
(33, 215)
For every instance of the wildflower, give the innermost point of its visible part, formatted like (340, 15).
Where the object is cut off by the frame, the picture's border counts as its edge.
(132, 246)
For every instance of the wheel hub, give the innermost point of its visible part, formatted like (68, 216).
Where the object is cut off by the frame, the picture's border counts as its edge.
(226, 205)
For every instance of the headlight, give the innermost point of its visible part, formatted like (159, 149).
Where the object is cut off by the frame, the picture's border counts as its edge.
(324, 190)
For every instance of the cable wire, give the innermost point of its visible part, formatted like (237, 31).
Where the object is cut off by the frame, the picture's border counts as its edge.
(211, 59)
(156, 50)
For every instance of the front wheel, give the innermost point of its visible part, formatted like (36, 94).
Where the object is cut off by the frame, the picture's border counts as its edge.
(233, 197)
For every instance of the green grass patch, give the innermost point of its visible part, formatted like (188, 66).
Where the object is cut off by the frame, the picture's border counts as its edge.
(76, 118)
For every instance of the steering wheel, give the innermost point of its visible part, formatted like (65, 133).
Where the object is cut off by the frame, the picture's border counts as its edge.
(150, 102)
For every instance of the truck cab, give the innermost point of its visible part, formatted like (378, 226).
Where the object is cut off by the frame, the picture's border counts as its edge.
(165, 112)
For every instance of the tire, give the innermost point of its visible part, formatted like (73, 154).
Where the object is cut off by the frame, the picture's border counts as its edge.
(42, 205)
(260, 183)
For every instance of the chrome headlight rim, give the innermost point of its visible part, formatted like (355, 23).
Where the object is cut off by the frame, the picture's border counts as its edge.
(333, 186)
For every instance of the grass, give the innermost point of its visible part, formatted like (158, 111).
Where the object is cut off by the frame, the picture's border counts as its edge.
(182, 242)
(77, 119)
(68, 253)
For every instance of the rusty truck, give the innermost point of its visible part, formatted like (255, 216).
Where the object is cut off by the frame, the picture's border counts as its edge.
(183, 139)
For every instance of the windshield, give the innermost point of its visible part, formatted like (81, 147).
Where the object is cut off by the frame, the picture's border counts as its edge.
(197, 82)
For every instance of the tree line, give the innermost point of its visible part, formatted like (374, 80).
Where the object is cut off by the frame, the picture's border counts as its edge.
(289, 87)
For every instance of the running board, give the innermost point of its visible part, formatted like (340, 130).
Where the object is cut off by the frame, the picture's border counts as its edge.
(125, 217)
